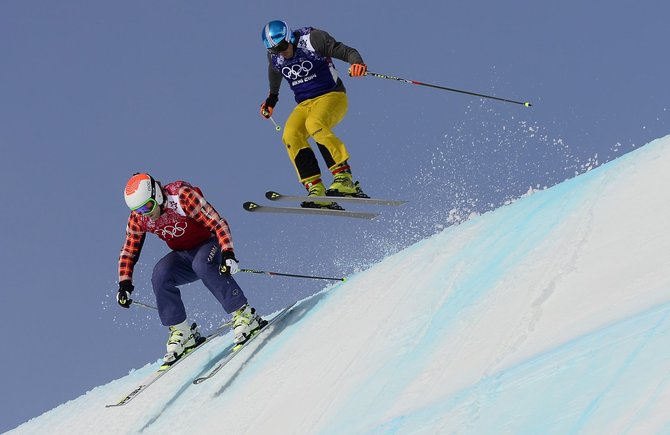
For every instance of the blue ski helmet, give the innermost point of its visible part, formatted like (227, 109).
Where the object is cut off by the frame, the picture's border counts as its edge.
(275, 32)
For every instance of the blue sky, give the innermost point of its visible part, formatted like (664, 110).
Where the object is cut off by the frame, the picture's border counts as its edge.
(94, 91)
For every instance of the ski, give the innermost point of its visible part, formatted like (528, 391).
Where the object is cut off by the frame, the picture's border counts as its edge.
(275, 196)
(163, 369)
(236, 350)
(256, 208)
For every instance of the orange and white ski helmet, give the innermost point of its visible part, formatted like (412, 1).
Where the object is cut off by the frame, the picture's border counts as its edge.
(140, 189)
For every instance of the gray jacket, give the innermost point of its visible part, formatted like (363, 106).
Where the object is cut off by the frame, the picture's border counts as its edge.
(326, 46)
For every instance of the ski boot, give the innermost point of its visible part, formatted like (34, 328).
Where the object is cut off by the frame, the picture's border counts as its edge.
(316, 188)
(182, 340)
(246, 323)
(343, 183)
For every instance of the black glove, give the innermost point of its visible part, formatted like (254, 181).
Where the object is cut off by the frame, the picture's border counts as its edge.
(268, 106)
(229, 264)
(126, 287)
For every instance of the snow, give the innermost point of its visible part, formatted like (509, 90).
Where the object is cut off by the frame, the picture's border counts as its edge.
(547, 315)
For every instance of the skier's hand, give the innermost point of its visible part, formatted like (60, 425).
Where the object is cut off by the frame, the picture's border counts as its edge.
(126, 287)
(358, 70)
(268, 105)
(229, 264)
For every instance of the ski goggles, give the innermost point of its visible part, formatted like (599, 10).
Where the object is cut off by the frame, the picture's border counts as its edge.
(282, 46)
(146, 208)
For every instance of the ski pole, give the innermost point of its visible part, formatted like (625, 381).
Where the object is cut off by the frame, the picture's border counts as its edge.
(277, 127)
(290, 275)
(414, 82)
(140, 304)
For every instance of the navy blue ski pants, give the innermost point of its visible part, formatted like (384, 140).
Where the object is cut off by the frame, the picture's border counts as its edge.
(183, 267)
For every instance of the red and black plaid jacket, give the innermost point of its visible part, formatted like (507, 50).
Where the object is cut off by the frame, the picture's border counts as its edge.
(187, 221)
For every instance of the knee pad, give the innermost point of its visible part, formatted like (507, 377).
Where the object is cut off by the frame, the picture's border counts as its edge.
(306, 163)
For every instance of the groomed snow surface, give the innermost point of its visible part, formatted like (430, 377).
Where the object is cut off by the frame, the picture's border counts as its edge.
(548, 315)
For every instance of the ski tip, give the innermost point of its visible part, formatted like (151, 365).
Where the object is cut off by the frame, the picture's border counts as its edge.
(120, 402)
(272, 195)
(250, 206)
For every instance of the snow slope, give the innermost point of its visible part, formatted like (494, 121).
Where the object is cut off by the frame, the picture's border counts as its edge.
(549, 315)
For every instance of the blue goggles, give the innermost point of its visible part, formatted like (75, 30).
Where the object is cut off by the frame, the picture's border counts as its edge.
(146, 208)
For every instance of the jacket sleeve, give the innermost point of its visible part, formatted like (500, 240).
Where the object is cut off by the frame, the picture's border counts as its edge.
(274, 77)
(196, 207)
(132, 247)
(326, 45)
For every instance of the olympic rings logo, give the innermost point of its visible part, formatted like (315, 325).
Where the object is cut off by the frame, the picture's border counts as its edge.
(297, 70)
(173, 231)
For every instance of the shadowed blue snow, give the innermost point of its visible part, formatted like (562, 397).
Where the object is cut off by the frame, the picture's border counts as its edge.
(549, 315)
(592, 378)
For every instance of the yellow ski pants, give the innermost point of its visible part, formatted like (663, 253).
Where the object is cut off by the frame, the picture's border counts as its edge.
(316, 117)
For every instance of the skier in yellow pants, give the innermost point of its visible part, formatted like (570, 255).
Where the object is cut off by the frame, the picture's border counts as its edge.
(304, 59)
